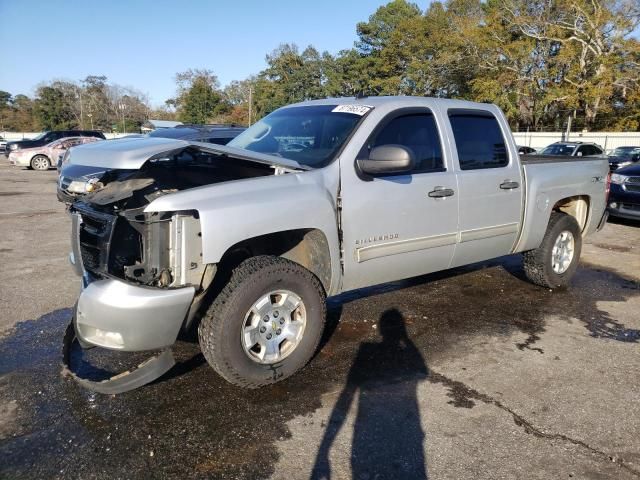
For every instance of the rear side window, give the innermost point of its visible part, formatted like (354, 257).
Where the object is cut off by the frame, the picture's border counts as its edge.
(418, 132)
(479, 140)
(590, 150)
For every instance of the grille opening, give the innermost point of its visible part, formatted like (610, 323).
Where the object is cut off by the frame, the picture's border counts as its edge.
(126, 248)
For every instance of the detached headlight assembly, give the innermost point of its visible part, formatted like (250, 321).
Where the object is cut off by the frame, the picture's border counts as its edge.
(77, 186)
(84, 186)
(618, 179)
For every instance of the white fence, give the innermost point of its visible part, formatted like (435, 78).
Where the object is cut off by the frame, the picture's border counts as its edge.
(13, 136)
(607, 140)
(537, 140)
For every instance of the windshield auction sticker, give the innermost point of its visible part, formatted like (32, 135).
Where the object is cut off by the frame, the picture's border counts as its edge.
(355, 109)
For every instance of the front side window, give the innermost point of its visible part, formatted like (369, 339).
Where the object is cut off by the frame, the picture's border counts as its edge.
(310, 135)
(419, 133)
(479, 140)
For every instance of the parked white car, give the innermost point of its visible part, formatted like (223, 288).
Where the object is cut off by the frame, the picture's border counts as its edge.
(46, 156)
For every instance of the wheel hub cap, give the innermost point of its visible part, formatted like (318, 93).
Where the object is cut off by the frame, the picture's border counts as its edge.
(273, 326)
(562, 253)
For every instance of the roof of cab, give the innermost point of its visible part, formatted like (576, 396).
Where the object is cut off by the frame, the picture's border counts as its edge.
(395, 101)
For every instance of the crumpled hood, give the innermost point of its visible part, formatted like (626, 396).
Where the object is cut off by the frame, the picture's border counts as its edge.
(124, 153)
(132, 153)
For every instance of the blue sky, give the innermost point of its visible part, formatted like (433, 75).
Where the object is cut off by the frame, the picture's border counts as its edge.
(143, 43)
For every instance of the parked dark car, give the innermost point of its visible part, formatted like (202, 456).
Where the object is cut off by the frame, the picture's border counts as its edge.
(47, 137)
(522, 150)
(624, 196)
(76, 179)
(219, 134)
(572, 149)
(623, 157)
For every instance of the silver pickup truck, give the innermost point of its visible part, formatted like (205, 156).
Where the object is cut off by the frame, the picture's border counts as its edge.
(246, 241)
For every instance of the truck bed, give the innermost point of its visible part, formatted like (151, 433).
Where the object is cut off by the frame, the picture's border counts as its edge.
(549, 178)
(535, 159)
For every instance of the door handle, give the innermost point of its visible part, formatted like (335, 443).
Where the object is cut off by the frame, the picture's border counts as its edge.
(509, 185)
(441, 192)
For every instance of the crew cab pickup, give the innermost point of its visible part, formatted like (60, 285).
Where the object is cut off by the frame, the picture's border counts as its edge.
(245, 241)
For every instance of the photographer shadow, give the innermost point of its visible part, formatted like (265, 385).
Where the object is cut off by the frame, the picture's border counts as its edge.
(387, 435)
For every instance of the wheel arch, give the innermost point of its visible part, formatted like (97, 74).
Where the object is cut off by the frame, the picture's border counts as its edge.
(538, 215)
(308, 247)
(578, 207)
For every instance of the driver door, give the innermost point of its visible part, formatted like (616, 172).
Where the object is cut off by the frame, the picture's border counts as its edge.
(399, 226)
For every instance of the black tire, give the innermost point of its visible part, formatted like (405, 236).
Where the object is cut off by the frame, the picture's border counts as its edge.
(40, 162)
(538, 263)
(219, 332)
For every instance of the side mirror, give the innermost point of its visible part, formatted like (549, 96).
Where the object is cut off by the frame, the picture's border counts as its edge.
(579, 154)
(387, 159)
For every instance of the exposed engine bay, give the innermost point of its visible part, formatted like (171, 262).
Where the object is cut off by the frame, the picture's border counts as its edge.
(116, 238)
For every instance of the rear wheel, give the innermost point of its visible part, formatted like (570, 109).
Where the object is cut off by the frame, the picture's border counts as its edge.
(40, 162)
(554, 263)
(266, 323)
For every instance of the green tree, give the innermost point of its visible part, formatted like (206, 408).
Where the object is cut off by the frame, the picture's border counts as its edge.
(291, 77)
(199, 97)
(592, 38)
(375, 34)
(5, 108)
(52, 110)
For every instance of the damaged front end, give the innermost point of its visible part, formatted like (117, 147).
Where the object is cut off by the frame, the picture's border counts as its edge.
(142, 272)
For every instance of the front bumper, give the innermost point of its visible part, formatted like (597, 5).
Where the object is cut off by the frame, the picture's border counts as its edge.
(624, 203)
(624, 210)
(119, 316)
(19, 161)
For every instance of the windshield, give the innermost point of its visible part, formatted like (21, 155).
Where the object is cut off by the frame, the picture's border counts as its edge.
(625, 152)
(309, 135)
(558, 149)
(40, 137)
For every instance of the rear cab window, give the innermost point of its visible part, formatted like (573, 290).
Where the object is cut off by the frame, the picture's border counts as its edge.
(479, 140)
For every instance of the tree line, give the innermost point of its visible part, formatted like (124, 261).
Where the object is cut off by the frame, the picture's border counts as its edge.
(544, 62)
(61, 104)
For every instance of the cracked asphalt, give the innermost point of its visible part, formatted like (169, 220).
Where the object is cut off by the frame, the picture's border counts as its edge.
(470, 373)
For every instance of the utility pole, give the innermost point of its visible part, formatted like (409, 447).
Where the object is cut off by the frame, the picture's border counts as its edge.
(250, 102)
(81, 117)
(568, 128)
(90, 115)
(122, 107)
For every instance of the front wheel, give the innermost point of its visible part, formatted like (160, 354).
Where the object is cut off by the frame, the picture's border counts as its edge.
(40, 162)
(554, 263)
(266, 323)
